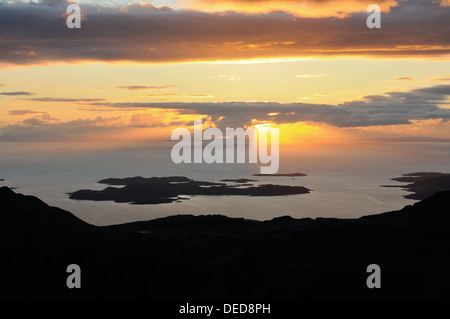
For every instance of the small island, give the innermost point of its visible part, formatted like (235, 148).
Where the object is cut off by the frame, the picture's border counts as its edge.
(238, 181)
(163, 190)
(282, 175)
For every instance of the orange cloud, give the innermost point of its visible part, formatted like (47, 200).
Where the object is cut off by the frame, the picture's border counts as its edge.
(153, 35)
(442, 78)
(406, 79)
(304, 8)
(141, 87)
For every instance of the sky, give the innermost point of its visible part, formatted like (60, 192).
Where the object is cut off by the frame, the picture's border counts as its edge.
(137, 70)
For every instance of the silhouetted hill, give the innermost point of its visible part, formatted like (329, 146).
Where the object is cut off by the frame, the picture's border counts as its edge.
(30, 213)
(215, 256)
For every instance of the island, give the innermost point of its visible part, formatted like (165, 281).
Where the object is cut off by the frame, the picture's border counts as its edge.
(422, 184)
(161, 190)
(239, 181)
(282, 175)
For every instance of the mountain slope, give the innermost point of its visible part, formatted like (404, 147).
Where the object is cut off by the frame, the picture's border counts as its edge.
(218, 257)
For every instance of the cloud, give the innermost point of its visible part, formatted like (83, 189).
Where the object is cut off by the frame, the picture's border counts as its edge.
(201, 96)
(406, 79)
(106, 109)
(16, 93)
(46, 128)
(375, 98)
(40, 120)
(439, 90)
(391, 108)
(23, 112)
(299, 7)
(53, 3)
(33, 34)
(373, 110)
(135, 87)
(148, 120)
(442, 78)
(64, 100)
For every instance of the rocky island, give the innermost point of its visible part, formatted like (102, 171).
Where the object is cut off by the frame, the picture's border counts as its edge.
(423, 184)
(159, 190)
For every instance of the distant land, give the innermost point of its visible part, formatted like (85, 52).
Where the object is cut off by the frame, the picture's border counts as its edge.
(423, 184)
(239, 181)
(282, 175)
(159, 190)
(210, 257)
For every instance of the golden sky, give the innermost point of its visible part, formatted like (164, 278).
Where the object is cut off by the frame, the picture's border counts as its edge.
(134, 72)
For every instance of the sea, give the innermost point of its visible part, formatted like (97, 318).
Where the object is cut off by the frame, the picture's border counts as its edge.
(345, 181)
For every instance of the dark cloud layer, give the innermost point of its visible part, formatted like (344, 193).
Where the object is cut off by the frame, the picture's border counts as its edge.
(16, 93)
(37, 33)
(24, 112)
(64, 100)
(390, 109)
